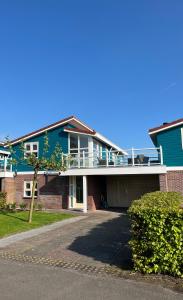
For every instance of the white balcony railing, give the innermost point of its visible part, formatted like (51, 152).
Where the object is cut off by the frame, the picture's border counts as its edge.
(98, 159)
(133, 157)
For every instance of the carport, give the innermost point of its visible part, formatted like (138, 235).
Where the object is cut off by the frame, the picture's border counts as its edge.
(122, 190)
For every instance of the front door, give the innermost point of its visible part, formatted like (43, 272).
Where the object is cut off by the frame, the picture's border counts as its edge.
(76, 192)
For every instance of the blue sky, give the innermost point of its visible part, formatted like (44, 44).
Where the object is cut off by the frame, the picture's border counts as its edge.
(117, 65)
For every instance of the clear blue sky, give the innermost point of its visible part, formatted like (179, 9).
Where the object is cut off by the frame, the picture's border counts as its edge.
(117, 65)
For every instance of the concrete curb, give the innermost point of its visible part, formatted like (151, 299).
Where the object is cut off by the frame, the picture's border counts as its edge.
(34, 232)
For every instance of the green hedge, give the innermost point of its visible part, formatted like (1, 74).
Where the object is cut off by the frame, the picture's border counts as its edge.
(157, 233)
(3, 196)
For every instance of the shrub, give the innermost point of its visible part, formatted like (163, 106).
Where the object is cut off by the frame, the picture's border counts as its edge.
(157, 233)
(40, 206)
(11, 206)
(23, 206)
(3, 196)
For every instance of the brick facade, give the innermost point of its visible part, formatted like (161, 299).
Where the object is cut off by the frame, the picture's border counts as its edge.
(53, 191)
(8, 186)
(172, 181)
(96, 188)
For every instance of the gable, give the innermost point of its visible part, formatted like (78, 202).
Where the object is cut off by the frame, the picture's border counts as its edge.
(72, 121)
(171, 142)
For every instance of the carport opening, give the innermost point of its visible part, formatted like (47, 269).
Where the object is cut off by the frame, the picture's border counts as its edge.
(118, 191)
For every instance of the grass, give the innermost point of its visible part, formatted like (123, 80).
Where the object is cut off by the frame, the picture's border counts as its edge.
(14, 222)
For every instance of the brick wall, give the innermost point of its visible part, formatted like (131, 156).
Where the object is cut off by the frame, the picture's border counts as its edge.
(96, 188)
(53, 190)
(8, 186)
(172, 181)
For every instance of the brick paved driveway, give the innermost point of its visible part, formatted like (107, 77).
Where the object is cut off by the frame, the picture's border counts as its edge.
(99, 240)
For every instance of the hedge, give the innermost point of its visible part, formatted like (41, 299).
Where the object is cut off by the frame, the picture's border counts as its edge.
(157, 233)
(3, 196)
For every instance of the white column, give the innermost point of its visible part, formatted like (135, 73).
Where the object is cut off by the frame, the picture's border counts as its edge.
(161, 155)
(5, 163)
(133, 157)
(85, 194)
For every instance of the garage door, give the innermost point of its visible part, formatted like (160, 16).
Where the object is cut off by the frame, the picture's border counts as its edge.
(122, 190)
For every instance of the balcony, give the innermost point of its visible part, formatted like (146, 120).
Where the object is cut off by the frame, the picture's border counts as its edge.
(105, 159)
(5, 166)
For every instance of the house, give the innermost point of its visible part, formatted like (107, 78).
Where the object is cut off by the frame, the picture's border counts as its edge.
(169, 136)
(98, 169)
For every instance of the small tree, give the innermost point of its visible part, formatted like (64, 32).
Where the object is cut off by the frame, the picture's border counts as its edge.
(54, 161)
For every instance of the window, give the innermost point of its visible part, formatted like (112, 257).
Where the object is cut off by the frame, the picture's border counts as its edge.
(31, 148)
(78, 143)
(97, 147)
(78, 148)
(28, 189)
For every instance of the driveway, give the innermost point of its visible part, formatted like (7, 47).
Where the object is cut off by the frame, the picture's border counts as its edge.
(96, 245)
(99, 240)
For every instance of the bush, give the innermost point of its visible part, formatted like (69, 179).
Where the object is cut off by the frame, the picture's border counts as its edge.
(23, 206)
(40, 206)
(3, 196)
(157, 233)
(11, 206)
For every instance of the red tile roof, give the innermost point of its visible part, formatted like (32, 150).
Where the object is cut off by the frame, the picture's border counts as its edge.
(166, 126)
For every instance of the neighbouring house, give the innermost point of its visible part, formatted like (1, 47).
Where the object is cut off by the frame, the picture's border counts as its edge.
(169, 136)
(98, 170)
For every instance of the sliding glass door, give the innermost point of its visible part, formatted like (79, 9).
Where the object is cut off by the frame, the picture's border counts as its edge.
(78, 146)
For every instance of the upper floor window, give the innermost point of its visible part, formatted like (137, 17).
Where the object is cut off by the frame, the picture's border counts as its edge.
(78, 143)
(97, 147)
(31, 148)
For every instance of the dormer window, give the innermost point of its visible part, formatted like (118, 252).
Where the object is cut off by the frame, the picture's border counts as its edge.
(31, 148)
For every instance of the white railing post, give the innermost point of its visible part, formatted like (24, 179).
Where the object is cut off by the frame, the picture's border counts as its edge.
(133, 158)
(79, 157)
(161, 155)
(107, 158)
(83, 158)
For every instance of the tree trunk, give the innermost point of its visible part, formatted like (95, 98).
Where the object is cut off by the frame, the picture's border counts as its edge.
(33, 196)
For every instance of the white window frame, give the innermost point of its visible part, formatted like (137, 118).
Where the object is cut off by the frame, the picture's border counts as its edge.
(79, 149)
(31, 151)
(99, 149)
(25, 188)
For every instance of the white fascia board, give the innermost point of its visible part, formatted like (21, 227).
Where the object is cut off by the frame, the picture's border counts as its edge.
(49, 128)
(108, 142)
(166, 128)
(116, 171)
(82, 133)
(6, 174)
(5, 152)
(178, 168)
(82, 124)
(38, 133)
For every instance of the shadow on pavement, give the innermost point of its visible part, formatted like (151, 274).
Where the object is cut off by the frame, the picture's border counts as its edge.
(107, 242)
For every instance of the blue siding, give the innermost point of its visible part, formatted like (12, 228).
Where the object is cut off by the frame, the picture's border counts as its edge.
(171, 143)
(55, 136)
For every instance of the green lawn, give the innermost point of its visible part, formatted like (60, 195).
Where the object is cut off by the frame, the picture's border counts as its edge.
(13, 222)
